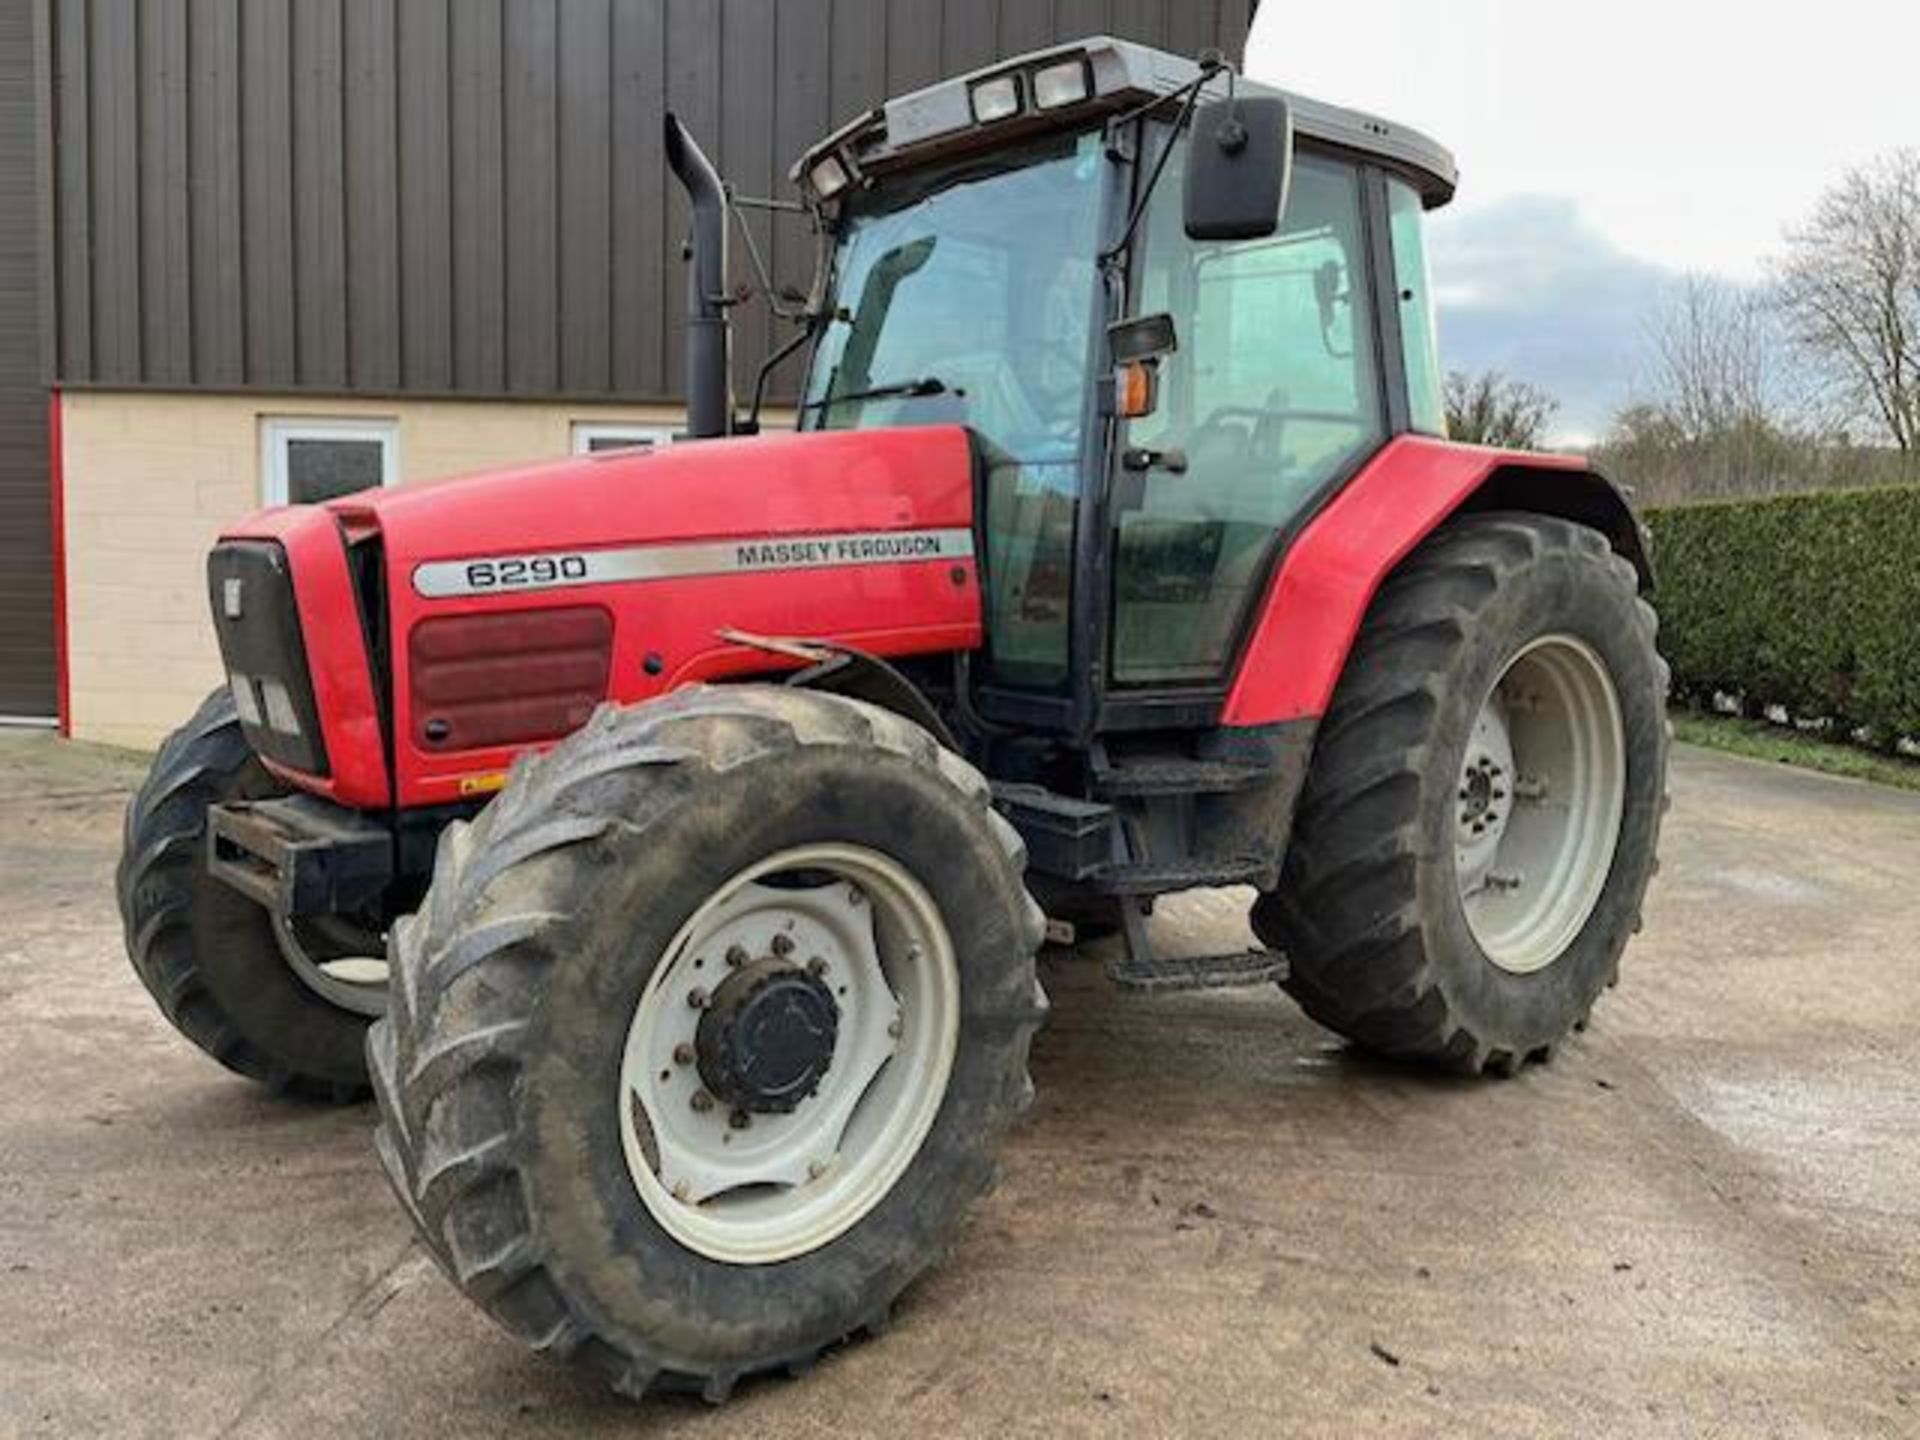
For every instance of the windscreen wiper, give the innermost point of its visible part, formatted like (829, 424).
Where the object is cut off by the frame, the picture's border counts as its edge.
(913, 389)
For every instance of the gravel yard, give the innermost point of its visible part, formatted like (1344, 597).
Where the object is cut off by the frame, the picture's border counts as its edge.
(1700, 1220)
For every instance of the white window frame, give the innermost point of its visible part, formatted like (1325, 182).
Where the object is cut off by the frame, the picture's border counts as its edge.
(277, 430)
(634, 432)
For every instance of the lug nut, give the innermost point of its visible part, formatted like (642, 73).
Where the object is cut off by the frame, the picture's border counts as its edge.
(701, 1101)
(856, 896)
(894, 1027)
(816, 1168)
(683, 1053)
(736, 956)
(816, 967)
(697, 998)
(739, 1120)
(783, 944)
(681, 1190)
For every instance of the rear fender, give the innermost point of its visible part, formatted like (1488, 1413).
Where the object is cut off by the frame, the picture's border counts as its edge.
(1320, 592)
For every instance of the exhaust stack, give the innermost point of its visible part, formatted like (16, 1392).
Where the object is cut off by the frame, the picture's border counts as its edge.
(709, 367)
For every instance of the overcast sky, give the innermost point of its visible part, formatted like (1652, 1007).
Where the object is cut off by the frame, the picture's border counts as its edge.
(1606, 148)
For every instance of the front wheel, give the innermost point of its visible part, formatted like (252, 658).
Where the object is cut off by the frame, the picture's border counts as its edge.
(276, 1005)
(708, 1032)
(1480, 820)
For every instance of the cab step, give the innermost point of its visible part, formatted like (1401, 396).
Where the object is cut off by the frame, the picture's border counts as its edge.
(1135, 966)
(1127, 877)
(1161, 975)
(1177, 775)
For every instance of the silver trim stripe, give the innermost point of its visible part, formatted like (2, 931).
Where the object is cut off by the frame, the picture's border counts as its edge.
(560, 569)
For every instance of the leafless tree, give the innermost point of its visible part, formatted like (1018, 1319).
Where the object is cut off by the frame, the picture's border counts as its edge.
(1719, 414)
(1486, 408)
(1712, 359)
(1849, 286)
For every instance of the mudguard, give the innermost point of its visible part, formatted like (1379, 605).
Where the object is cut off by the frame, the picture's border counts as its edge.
(1324, 583)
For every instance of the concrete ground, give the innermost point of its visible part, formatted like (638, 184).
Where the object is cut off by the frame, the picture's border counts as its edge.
(1700, 1221)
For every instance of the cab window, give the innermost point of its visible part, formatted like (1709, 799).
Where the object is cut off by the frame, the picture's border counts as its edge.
(1273, 393)
(1406, 222)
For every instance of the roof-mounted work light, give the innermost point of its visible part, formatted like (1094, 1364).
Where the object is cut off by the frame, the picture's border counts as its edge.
(1057, 86)
(996, 99)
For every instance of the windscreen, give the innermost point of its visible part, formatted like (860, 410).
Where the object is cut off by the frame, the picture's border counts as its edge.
(966, 294)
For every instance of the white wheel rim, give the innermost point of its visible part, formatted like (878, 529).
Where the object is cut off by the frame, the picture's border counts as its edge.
(786, 1184)
(1538, 806)
(353, 982)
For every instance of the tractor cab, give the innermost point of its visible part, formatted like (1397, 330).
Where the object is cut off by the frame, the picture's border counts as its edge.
(1176, 310)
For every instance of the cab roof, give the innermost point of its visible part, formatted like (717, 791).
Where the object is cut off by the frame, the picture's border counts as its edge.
(939, 120)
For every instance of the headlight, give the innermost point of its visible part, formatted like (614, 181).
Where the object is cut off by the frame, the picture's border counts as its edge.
(828, 177)
(996, 99)
(1062, 84)
(279, 703)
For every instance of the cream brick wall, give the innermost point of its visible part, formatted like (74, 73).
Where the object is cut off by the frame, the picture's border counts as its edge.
(150, 480)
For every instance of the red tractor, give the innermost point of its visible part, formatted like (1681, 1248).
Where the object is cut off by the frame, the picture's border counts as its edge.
(667, 838)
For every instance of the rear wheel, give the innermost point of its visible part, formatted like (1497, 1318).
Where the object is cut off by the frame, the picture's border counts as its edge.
(708, 1032)
(287, 1008)
(1479, 824)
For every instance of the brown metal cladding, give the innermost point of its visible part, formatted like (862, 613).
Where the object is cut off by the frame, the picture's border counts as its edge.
(26, 516)
(458, 197)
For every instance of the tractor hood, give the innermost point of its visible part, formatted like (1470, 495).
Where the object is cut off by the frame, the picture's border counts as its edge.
(760, 488)
(497, 610)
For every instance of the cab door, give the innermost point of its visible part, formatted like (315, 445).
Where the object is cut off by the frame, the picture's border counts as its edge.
(1273, 396)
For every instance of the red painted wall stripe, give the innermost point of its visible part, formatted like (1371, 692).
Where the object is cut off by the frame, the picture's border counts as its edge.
(57, 495)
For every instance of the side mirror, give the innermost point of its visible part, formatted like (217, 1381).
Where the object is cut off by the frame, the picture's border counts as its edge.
(1238, 164)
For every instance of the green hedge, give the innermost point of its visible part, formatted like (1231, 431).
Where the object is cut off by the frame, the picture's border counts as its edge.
(1806, 601)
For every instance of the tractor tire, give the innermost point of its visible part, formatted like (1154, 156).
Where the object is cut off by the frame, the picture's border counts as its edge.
(532, 1105)
(1464, 869)
(205, 952)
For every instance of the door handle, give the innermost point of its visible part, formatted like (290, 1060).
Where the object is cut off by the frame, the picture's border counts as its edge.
(1139, 457)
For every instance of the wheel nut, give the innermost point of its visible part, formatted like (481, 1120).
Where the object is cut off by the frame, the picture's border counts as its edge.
(681, 1190)
(697, 998)
(894, 1027)
(739, 1119)
(736, 956)
(816, 967)
(816, 1168)
(783, 944)
(856, 896)
(683, 1053)
(702, 1101)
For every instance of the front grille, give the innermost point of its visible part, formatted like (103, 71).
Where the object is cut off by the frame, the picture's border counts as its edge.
(251, 588)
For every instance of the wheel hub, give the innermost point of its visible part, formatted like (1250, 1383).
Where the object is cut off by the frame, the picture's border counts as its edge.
(1481, 793)
(766, 1039)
